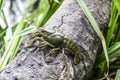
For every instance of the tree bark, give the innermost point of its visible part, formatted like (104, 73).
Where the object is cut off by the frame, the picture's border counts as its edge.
(69, 19)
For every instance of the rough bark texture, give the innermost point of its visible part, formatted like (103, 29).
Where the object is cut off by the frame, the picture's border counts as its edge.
(70, 20)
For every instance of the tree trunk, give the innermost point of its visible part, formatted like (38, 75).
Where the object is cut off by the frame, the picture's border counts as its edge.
(69, 19)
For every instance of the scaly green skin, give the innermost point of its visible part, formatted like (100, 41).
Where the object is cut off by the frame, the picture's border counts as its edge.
(58, 40)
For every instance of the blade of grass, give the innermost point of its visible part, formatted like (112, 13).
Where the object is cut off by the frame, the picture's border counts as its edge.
(115, 13)
(117, 77)
(114, 67)
(44, 5)
(44, 11)
(96, 28)
(13, 44)
(111, 50)
(17, 41)
(54, 5)
(117, 33)
(22, 25)
(4, 18)
(1, 3)
(26, 31)
(10, 50)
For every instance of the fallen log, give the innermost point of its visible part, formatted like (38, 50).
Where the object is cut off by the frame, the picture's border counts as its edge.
(69, 19)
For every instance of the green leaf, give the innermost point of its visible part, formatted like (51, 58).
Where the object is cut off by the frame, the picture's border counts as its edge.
(53, 6)
(12, 45)
(1, 3)
(95, 27)
(113, 21)
(26, 31)
(117, 77)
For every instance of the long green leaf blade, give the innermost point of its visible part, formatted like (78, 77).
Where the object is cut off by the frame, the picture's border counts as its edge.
(95, 27)
(118, 75)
